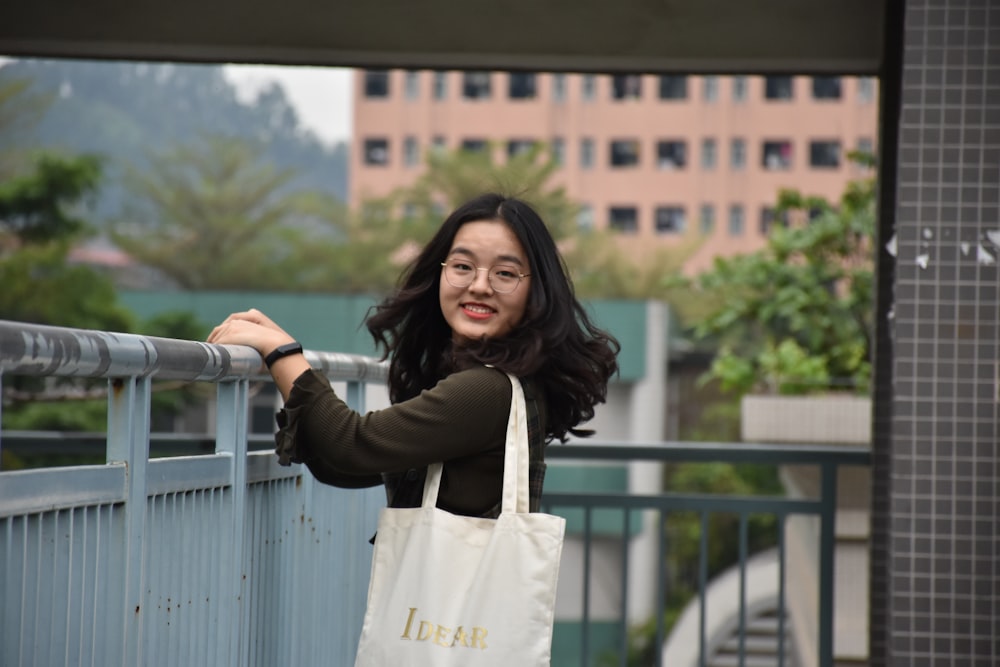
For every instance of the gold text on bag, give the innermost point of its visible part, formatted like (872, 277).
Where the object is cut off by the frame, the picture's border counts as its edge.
(445, 636)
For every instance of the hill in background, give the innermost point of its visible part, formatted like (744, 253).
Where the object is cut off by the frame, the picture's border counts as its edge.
(125, 111)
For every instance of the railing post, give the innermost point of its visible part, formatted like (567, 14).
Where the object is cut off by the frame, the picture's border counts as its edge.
(827, 555)
(128, 441)
(231, 438)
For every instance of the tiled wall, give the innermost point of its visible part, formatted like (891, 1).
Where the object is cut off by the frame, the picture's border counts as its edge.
(936, 595)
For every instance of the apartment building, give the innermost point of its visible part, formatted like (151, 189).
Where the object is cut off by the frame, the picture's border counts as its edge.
(653, 156)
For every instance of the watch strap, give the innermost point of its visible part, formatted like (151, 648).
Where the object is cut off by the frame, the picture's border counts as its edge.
(282, 351)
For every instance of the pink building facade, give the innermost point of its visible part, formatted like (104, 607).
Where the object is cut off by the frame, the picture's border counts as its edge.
(652, 156)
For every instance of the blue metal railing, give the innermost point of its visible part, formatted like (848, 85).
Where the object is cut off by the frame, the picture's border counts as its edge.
(828, 459)
(227, 558)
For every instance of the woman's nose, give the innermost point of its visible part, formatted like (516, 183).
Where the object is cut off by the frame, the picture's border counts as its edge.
(481, 283)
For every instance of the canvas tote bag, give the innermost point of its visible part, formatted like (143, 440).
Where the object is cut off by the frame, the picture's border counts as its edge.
(449, 590)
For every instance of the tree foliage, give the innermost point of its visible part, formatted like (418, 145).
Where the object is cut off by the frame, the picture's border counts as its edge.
(211, 214)
(796, 316)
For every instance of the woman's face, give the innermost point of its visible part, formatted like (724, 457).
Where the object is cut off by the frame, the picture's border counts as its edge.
(478, 310)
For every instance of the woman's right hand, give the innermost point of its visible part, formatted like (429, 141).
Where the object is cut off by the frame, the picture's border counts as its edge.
(252, 328)
(257, 330)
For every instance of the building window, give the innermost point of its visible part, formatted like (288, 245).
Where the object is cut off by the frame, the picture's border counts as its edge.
(585, 218)
(710, 88)
(588, 87)
(826, 87)
(624, 219)
(376, 152)
(440, 85)
(739, 89)
(410, 211)
(476, 85)
(777, 155)
(517, 147)
(673, 87)
(558, 87)
(778, 87)
(708, 153)
(824, 154)
(866, 147)
(559, 151)
(769, 218)
(706, 219)
(736, 220)
(411, 152)
(737, 154)
(626, 87)
(669, 220)
(866, 89)
(624, 152)
(521, 86)
(586, 153)
(474, 145)
(412, 85)
(439, 144)
(671, 154)
(376, 83)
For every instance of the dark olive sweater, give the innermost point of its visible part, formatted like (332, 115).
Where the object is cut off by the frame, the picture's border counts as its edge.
(461, 421)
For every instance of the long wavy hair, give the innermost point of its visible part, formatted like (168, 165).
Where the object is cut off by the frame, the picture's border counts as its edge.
(556, 344)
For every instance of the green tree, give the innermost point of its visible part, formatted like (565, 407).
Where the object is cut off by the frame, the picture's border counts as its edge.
(40, 221)
(212, 215)
(796, 316)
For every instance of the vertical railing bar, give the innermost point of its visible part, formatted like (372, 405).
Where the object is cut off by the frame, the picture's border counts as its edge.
(703, 590)
(53, 578)
(128, 441)
(585, 624)
(231, 438)
(69, 587)
(781, 589)
(827, 537)
(743, 589)
(661, 583)
(356, 396)
(626, 539)
(83, 584)
(24, 589)
(98, 585)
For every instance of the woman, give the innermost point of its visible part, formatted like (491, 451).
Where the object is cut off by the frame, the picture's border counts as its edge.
(488, 295)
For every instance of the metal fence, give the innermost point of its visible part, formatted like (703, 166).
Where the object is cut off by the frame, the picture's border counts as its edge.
(229, 559)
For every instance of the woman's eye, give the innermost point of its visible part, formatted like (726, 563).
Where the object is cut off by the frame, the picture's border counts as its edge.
(461, 266)
(505, 273)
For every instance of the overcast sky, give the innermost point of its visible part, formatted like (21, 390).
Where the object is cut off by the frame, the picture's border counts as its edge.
(321, 95)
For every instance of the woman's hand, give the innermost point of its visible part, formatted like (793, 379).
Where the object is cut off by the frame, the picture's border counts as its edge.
(252, 328)
(257, 330)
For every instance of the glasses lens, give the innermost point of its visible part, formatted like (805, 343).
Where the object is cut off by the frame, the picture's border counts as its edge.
(504, 278)
(459, 273)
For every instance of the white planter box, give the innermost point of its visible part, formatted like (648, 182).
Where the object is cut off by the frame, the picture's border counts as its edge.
(830, 419)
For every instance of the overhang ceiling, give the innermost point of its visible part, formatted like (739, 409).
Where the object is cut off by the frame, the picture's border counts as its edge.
(692, 36)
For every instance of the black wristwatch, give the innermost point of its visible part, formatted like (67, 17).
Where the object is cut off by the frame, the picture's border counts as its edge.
(281, 352)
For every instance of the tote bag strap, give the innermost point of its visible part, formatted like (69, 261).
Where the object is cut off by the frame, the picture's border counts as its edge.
(515, 460)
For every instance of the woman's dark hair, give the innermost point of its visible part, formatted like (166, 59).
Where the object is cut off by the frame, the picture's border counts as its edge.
(555, 344)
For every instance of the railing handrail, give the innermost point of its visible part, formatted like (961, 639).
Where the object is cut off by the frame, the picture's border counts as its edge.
(43, 350)
(732, 452)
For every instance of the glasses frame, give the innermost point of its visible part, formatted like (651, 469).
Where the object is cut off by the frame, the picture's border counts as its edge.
(489, 275)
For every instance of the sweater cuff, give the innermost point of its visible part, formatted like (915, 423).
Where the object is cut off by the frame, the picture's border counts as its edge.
(304, 389)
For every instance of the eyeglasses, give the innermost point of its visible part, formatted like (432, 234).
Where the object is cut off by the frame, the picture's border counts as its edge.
(503, 278)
